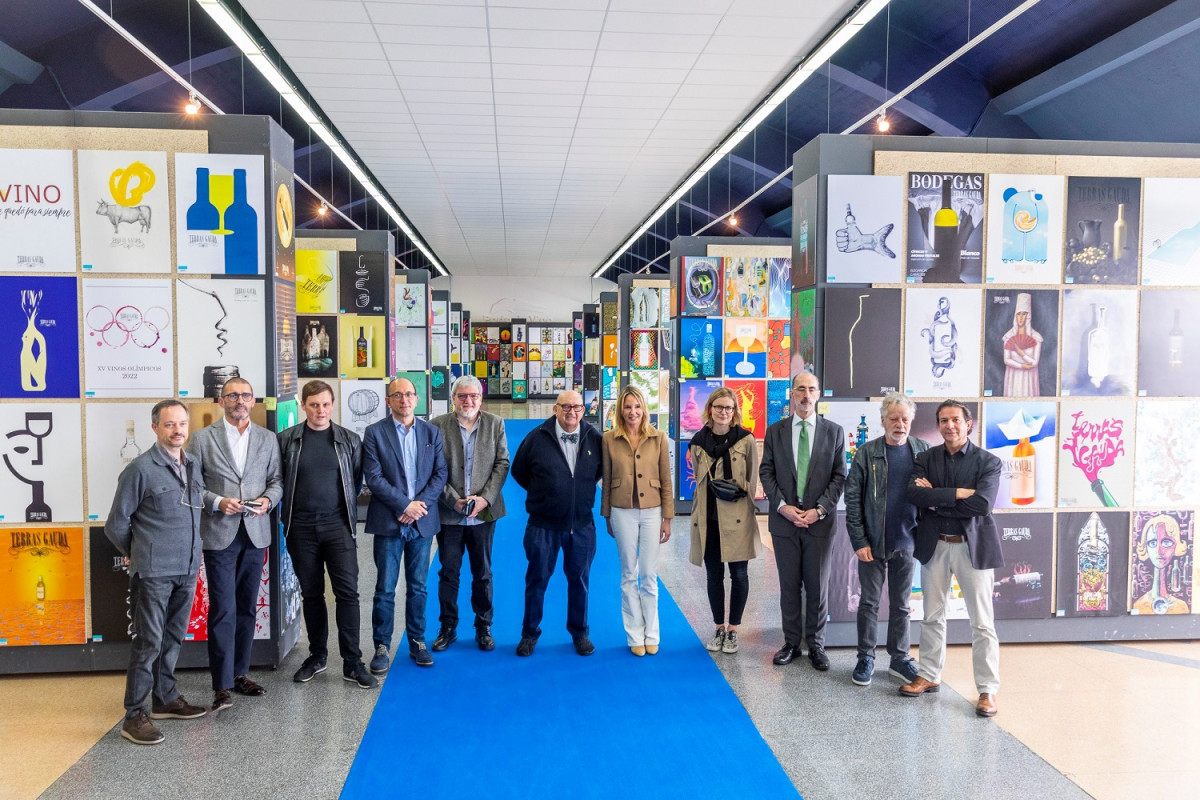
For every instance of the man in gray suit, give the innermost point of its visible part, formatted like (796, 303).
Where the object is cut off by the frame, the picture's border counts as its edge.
(477, 466)
(802, 471)
(239, 462)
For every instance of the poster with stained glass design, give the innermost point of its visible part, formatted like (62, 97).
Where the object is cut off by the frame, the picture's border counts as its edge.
(126, 221)
(1161, 561)
(1093, 564)
(127, 338)
(219, 213)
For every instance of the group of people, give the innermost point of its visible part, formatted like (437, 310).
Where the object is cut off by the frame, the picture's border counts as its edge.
(443, 478)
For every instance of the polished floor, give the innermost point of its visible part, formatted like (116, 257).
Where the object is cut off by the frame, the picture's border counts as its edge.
(1101, 720)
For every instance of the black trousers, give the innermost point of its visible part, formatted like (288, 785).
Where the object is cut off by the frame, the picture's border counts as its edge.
(803, 562)
(234, 575)
(898, 569)
(315, 550)
(477, 541)
(739, 580)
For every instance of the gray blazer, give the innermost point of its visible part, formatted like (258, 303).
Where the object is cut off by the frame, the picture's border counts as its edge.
(826, 476)
(489, 469)
(262, 478)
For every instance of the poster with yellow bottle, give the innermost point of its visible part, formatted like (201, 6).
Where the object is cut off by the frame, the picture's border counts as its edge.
(41, 586)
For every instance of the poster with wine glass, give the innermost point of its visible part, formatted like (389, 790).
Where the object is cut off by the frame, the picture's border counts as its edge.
(1162, 552)
(1103, 230)
(942, 333)
(1095, 458)
(125, 224)
(222, 323)
(1168, 343)
(945, 227)
(864, 228)
(1099, 336)
(117, 433)
(1025, 229)
(1020, 343)
(39, 356)
(746, 348)
(41, 468)
(1171, 232)
(1166, 469)
(1023, 586)
(219, 213)
(862, 342)
(128, 338)
(745, 286)
(1022, 436)
(37, 223)
(1093, 564)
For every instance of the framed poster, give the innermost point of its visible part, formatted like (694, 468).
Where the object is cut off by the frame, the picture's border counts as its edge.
(1023, 586)
(610, 344)
(411, 347)
(746, 348)
(363, 278)
(686, 472)
(1169, 343)
(1161, 560)
(1020, 343)
(845, 589)
(1103, 230)
(779, 347)
(108, 570)
(647, 381)
(745, 287)
(127, 341)
(362, 346)
(117, 433)
(778, 406)
(702, 348)
(643, 349)
(1171, 231)
(805, 238)
(41, 596)
(945, 227)
(862, 342)
(1022, 436)
(1166, 470)
(439, 324)
(362, 402)
(1093, 564)
(1099, 342)
(37, 211)
(318, 346)
(779, 285)
(693, 395)
(219, 213)
(40, 353)
(42, 477)
(284, 334)
(865, 213)
(943, 328)
(924, 424)
(222, 323)
(1095, 462)
(420, 382)
(316, 281)
(125, 224)
(1025, 228)
(804, 331)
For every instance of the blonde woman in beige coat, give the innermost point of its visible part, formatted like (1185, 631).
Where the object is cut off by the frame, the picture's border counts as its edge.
(724, 532)
(637, 501)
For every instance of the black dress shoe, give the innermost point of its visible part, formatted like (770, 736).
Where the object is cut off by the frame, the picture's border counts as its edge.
(785, 655)
(483, 638)
(243, 685)
(445, 638)
(816, 654)
(525, 646)
(584, 646)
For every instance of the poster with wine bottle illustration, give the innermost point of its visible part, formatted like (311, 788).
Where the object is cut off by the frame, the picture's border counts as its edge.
(362, 346)
(945, 227)
(860, 423)
(1103, 230)
(41, 467)
(128, 337)
(1099, 336)
(42, 594)
(39, 354)
(701, 348)
(1166, 470)
(1025, 229)
(363, 279)
(37, 211)
(1020, 343)
(644, 307)
(643, 349)
(108, 579)
(862, 342)
(219, 213)
(125, 219)
(222, 322)
(1023, 587)
(117, 433)
(864, 229)
(745, 286)
(1093, 564)
(317, 345)
(942, 332)
(1095, 459)
(316, 281)
(1162, 552)
(1022, 435)
(746, 348)
(1169, 343)
(1171, 232)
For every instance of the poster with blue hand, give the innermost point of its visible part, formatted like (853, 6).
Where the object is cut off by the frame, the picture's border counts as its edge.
(864, 227)
(219, 214)
(39, 356)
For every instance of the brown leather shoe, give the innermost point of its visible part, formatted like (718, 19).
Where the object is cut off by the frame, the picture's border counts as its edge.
(986, 707)
(919, 687)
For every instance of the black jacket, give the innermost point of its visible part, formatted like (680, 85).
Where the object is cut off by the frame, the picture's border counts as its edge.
(348, 447)
(866, 494)
(940, 512)
(556, 500)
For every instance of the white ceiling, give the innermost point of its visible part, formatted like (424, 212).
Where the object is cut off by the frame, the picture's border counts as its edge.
(529, 137)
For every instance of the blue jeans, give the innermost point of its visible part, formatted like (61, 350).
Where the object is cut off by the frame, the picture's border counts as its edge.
(161, 607)
(388, 552)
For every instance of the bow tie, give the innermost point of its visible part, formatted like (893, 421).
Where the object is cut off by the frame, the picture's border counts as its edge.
(573, 438)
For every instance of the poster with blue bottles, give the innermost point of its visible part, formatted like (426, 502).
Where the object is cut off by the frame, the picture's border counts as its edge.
(1025, 228)
(219, 214)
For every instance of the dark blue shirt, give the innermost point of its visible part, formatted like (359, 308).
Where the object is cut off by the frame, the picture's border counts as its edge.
(900, 515)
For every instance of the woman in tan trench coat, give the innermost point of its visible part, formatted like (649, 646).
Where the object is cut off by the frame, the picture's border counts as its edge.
(724, 532)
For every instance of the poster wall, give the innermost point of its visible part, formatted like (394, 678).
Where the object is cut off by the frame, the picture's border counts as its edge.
(219, 214)
(37, 211)
(125, 224)
(39, 356)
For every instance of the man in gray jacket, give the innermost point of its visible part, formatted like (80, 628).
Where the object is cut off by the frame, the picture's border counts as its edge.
(155, 523)
(477, 463)
(239, 462)
(880, 521)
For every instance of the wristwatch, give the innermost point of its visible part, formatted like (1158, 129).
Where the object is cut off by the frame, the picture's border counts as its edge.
(821, 513)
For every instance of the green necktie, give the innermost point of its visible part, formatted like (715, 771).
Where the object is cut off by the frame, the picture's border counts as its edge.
(802, 461)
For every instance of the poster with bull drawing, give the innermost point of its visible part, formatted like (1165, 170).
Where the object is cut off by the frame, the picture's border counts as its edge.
(124, 212)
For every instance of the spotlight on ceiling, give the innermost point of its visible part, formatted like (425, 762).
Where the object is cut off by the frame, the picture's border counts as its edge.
(733, 220)
(193, 105)
(882, 124)
(324, 209)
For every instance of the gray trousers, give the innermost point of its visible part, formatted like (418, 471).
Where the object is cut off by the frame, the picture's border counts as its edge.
(898, 569)
(161, 607)
(803, 563)
(976, 585)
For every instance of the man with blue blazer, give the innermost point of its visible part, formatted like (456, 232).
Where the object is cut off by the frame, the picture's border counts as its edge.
(239, 462)
(803, 471)
(405, 469)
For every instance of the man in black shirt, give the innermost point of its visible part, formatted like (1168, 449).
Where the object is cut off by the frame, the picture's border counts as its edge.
(322, 473)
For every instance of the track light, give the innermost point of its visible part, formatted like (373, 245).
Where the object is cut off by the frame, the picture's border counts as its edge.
(193, 104)
(323, 210)
(733, 220)
(882, 124)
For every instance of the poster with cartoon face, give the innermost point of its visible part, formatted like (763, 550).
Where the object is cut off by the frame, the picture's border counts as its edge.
(1161, 562)
(41, 467)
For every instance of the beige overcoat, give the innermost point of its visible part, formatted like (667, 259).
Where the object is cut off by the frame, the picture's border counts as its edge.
(738, 527)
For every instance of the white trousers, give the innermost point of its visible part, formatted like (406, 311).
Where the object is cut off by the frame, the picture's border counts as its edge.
(976, 584)
(637, 531)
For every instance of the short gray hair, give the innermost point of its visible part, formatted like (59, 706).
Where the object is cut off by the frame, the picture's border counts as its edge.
(896, 399)
(466, 382)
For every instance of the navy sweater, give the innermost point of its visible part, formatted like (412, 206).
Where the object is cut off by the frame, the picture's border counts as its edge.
(557, 500)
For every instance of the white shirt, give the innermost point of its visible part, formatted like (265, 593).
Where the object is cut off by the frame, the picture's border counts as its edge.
(239, 447)
(570, 449)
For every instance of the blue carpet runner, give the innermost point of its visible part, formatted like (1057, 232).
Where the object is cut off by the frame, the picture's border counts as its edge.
(557, 725)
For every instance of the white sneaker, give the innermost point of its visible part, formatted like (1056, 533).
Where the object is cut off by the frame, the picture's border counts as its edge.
(717, 641)
(731, 645)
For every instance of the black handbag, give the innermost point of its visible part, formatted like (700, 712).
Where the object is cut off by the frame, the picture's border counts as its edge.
(725, 490)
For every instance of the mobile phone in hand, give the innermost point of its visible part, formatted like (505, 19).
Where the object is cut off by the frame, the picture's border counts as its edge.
(469, 508)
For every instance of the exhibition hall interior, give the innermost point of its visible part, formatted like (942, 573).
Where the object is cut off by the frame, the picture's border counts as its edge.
(648, 236)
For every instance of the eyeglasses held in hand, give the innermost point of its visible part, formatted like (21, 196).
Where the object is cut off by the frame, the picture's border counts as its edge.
(247, 396)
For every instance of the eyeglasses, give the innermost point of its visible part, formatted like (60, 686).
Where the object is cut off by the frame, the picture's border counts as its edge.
(576, 409)
(183, 499)
(232, 396)
(470, 396)
(724, 409)
(409, 395)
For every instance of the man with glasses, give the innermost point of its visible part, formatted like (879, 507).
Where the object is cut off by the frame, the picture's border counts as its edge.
(239, 462)
(558, 465)
(477, 466)
(803, 471)
(155, 523)
(405, 469)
